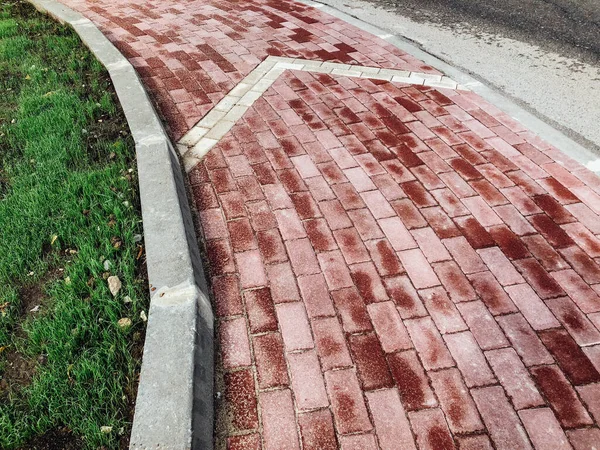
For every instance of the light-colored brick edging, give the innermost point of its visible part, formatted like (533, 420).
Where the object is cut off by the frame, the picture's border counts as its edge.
(174, 408)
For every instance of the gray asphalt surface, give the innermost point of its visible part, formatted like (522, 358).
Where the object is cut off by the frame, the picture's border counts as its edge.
(569, 27)
(543, 54)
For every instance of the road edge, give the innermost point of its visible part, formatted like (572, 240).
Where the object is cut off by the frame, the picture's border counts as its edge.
(174, 405)
(586, 157)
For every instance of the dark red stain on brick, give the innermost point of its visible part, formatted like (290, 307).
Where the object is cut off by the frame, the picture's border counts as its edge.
(346, 407)
(585, 266)
(562, 397)
(352, 310)
(204, 196)
(222, 180)
(271, 246)
(388, 138)
(261, 310)
(379, 151)
(241, 235)
(501, 162)
(410, 105)
(347, 115)
(332, 173)
(409, 382)
(473, 157)
(245, 442)
(410, 215)
(228, 300)
(318, 238)
(370, 362)
(456, 409)
(305, 205)
(489, 192)
(474, 232)
(397, 169)
(555, 235)
(389, 260)
(465, 169)
(233, 205)
(265, 173)
(417, 193)
(317, 431)
(560, 191)
(540, 280)
(491, 293)
(292, 181)
(509, 243)
(573, 320)
(291, 146)
(440, 439)
(571, 359)
(270, 360)
(364, 284)
(407, 156)
(554, 209)
(241, 400)
(220, 257)
(440, 222)
(523, 180)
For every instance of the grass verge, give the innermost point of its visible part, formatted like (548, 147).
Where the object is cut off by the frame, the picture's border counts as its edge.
(69, 219)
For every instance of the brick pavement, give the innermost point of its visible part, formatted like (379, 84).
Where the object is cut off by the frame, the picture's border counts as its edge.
(393, 266)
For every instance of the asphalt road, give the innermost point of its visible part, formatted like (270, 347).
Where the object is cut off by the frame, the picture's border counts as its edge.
(544, 54)
(569, 27)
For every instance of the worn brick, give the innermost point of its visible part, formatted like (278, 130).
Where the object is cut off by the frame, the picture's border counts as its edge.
(571, 359)
(278, 421)
(429, 344)
(561, 396)
(347, 403)
(431, 429)
(316, 430)
(456, 402)
(543, 429)
(576, 323)
(500, 419)
(514, 378)
(390, 421)
(485, 330)
(294, 326)
(389, 327)
(241, 400)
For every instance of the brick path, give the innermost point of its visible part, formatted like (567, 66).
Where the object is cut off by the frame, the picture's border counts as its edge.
(394, 266)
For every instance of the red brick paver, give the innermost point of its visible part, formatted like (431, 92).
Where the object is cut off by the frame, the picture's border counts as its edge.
(393, 266)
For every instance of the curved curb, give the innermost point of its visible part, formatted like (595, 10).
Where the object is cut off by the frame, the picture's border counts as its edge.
(174, 407)
(546, 131)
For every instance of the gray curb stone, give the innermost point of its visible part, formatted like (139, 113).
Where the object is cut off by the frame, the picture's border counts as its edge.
(174, 407)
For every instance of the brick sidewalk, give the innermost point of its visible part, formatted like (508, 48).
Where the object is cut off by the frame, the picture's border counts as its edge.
(394, 266)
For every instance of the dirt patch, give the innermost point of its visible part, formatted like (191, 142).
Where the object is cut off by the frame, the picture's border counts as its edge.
(60, 438)
(18, 373)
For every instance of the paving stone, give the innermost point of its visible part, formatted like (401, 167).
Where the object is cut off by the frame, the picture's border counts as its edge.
(330, 200)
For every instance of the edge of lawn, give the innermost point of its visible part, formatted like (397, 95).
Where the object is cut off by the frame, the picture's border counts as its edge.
(174, 406)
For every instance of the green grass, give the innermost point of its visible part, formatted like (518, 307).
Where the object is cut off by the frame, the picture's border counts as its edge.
(68, 203)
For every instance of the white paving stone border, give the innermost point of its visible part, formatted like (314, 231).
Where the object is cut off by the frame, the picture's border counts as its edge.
(218, 121)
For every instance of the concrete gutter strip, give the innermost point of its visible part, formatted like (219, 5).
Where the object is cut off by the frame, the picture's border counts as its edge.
(174, 407)
(550, 134)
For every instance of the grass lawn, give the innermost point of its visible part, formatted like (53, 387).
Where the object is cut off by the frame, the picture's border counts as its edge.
(69, 219)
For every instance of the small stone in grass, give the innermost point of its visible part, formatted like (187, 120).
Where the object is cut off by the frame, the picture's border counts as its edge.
(114, 285)
(143, 316)
(105, 430)
(125, 322)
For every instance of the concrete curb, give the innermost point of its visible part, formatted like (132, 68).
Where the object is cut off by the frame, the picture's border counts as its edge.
(569, 147)
(174, 408)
